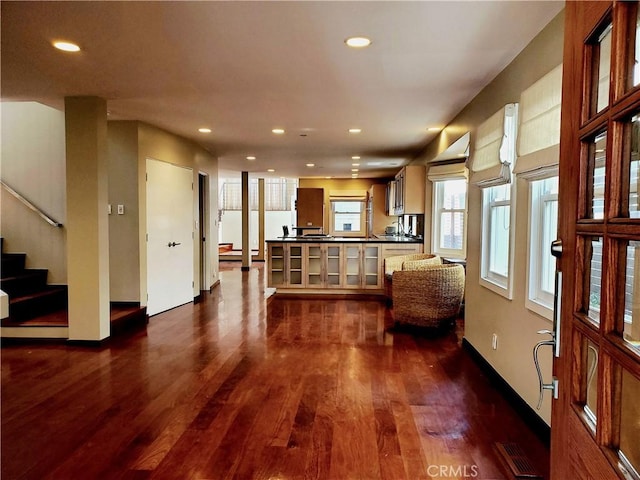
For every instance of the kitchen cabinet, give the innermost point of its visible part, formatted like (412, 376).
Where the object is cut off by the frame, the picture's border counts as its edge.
(377, 209)
(286, 264)
(310, 207)
(393, 249)
(362, 266)
(331, 266)
(324, 265)
(409, 190)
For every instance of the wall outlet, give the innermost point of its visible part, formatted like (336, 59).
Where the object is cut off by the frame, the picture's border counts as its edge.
(494, 341)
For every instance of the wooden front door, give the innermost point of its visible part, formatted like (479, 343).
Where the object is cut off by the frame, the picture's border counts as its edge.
(596, 419)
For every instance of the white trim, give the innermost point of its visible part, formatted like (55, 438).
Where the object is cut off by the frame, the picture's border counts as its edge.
(495, 282)
(438, 200)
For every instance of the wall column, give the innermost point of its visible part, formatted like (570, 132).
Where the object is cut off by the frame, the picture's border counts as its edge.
(261, 219)
(246, 213)
(87, 220)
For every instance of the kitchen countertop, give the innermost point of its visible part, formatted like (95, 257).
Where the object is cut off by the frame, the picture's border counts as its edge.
(370, 239)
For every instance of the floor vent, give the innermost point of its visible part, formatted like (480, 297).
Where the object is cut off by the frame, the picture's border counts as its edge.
(517, 460)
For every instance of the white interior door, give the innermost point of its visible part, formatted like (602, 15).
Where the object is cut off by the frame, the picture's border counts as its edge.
(170, 236)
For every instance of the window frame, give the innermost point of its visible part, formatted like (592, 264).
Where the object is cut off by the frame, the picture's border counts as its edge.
(538, 300)
(363, 218)
(500, 284)
(436, 223)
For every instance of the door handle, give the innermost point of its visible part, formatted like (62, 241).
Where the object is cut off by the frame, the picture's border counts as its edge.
(173, 244)
(554, 341)
(553, 385)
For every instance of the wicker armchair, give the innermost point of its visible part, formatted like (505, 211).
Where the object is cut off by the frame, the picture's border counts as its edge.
(414, 261)
(431, 297)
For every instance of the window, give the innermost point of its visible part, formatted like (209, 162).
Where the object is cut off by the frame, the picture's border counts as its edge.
(496, 237)
(348, 218)
(278, 194)
(449, 219)
(543, 221)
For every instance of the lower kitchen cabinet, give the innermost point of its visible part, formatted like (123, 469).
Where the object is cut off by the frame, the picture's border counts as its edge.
(334, 267)
(324, 269)
(362, 266)
(286, 263)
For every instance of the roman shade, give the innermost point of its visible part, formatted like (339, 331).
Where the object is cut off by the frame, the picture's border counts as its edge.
(539, 132)
(348, 195)
(451, 171)
(495, 148)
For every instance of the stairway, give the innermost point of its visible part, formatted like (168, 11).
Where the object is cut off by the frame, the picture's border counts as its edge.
(29, 294)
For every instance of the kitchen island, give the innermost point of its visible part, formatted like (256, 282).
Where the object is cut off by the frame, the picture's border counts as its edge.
(321, 264)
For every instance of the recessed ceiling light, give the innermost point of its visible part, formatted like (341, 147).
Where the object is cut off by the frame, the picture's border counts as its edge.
(433, 129)
(311, 164)
(270, 170)
(355, 157)
(355, 164)
(355, 130)
(354, 175)
(204, 130)
(358, 42)
(278, 131)
(354, 169)
(327, 178)
(462, 154)
(66, 46)
(251, 157)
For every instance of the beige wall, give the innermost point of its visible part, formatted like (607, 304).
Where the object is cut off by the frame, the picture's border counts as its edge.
(486, 312)
(334, 184)
(158, 144)
(124, 254)
(33, 163)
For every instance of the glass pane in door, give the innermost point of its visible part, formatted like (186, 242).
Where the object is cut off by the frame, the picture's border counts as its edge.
(603, 69)
(596, 179)
(636, 54)
(630, 423)
(591, 373)
(631, 330)
(634, 163)
(592, 278)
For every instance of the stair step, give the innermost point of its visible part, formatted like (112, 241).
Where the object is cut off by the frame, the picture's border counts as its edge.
(35, 304)
(30, 281)
(122, 318)
(12, 264)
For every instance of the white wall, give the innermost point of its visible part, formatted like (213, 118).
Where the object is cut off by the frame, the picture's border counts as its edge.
(231, 226)
(486, 312)
(33, 163)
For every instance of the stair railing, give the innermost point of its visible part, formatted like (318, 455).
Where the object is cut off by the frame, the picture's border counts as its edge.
(31, 206)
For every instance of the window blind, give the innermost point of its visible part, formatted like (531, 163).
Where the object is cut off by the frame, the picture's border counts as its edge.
(452, 171)
(539, 131)
(495, 148)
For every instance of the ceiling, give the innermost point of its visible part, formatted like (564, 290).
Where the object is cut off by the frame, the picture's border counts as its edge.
(244, 68)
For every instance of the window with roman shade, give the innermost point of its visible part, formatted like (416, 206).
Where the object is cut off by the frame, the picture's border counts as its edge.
(491, 164)
(449, 217)
(348, 212)
(538, 157)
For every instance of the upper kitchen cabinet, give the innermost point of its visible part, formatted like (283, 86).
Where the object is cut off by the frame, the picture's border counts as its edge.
(310, 207)
(409, 190)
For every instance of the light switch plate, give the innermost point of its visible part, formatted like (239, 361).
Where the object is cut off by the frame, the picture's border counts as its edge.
(120, 209)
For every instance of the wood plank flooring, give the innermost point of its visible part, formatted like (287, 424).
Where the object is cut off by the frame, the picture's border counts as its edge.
(237, 387)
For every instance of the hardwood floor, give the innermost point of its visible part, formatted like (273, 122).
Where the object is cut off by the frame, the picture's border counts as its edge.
(238, 387)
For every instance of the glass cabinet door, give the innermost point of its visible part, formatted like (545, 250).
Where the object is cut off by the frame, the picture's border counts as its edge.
(352, 266)
(372, 266)
(333, 259)
(295, 265)
(314, 265)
